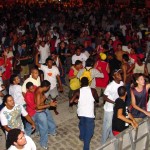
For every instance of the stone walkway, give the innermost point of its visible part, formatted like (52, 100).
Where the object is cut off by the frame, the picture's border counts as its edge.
(67, 128)
(68, 133)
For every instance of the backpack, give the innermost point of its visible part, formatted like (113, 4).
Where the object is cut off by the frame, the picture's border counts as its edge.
(87, 73)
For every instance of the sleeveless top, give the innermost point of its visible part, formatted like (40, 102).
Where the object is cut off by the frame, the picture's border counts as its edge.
(86, 103)
(138, 69)
(141, 101)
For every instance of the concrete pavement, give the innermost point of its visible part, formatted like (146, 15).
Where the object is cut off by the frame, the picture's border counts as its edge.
(67, 128)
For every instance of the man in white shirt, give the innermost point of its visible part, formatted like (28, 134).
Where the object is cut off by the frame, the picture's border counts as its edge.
(86, 97)
(79, 56)
(51, 74)
(127, 48)
(16, 139)
(10, 115)
(110, 95)
(34, 78)
(123, 29)
(44, 50)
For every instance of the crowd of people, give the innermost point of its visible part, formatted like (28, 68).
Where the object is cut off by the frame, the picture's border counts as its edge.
(104, 52)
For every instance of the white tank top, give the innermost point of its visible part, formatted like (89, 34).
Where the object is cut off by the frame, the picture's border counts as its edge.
(86, 103)
(139, 69)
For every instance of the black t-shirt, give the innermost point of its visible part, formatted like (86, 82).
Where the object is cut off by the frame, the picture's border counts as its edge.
(118, 124)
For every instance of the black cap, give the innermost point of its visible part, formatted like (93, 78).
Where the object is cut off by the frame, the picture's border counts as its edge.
(115, 71)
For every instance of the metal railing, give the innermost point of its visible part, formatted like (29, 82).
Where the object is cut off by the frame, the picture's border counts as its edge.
(131, 139)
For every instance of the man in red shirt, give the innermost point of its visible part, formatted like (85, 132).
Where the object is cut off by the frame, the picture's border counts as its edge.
(30, 106)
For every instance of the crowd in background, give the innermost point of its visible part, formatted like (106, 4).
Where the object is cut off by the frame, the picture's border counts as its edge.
(52, 42)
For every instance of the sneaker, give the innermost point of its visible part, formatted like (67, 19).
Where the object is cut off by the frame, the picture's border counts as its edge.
(81, 139)
(44, 147)
(54, 134)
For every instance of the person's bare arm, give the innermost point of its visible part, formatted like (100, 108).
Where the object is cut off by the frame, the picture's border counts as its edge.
(5, 58)
(123, 118)
(95, 95)
(72, 77)
(37, 60)
(24, 58)
(60, 64)
(131, 68)
(108, 68)
(29, 119)
(1, 94)
(105, 97)
(59, 82)
(124, 73)
(132, 118)
(147, 86)
(75, 97)
(7, 128)
(145, 70)
(23, 94)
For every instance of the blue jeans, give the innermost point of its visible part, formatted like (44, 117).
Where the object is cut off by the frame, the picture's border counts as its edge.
(107, 126)
(128, 97)
(63, 77)
(86, 126)
(46, 126)
(28, 127)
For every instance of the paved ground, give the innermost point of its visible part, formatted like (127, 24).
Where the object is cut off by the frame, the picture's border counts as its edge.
(67, 128)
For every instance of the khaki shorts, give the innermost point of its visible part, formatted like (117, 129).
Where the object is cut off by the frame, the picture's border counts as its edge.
(100, 90)
(53, 93)
(24, 71)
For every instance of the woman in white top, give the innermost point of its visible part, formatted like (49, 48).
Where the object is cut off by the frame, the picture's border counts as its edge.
(140, 67)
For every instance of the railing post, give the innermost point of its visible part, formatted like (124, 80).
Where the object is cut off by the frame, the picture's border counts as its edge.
(131, 140)
(148, 132)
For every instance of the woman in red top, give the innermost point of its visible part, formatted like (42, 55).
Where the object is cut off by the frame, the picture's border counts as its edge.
(103, 67)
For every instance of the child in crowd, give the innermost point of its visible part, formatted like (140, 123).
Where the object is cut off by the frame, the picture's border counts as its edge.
(30, 106)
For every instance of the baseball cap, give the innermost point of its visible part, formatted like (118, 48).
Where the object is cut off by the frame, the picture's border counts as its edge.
(103, 56)
(116, 71)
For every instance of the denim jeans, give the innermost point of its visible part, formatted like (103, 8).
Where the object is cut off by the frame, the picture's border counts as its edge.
(128, 97)
(86, 126)
(62, 77)
(46, 126)
(28, 127)
(107, 126)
